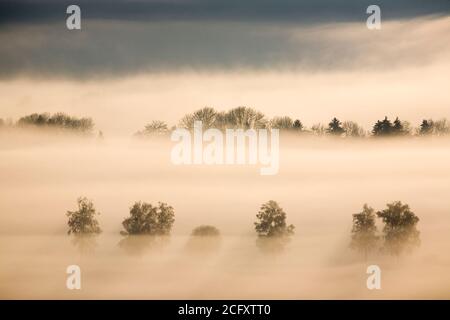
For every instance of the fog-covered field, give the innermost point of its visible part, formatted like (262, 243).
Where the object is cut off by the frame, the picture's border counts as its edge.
(320, 184)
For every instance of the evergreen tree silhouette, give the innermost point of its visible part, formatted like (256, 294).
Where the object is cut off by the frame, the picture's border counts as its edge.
(335, 127)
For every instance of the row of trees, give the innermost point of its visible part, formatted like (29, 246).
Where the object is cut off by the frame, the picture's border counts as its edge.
(248, 118)
(243, 118)
(58, 120)
(399, 233)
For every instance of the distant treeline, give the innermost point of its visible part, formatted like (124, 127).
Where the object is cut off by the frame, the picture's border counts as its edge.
(57, 121)
(245, 118)
(248, 118)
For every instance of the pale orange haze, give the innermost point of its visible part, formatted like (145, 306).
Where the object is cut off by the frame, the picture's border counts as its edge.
(401, 71)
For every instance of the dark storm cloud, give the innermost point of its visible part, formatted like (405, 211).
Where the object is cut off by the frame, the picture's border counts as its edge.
(125, 37)
(306, 11)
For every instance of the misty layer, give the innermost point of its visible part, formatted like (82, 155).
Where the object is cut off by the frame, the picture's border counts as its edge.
(321, 183)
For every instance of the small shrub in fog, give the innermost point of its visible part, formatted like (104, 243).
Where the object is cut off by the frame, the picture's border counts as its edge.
(272, 221)
(204, 239)
(364, 231)
(83, 221)
(400, 232)
(205, 231)
(146, 219)
(154, 129)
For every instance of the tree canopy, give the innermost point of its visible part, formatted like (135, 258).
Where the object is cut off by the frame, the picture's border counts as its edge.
(148, 219)
(400, 232)
(205, 231)
(386, 128)
(83, 221)
(271, 221)
(364, 231)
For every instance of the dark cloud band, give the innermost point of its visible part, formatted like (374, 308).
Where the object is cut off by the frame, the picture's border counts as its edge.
(294, 11)
(119, 38)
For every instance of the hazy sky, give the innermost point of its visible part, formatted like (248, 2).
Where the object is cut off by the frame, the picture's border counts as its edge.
(159, 59)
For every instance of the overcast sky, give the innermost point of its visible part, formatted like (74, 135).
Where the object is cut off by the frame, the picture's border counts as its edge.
(128, 37)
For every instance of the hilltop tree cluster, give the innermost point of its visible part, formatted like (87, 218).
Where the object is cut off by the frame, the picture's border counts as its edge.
(54, 121)
(248, 118)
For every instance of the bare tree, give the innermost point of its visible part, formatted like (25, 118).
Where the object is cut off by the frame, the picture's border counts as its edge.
(282, 123)
(245, 118)
(352, 129)
(206, 115)
(155, 128)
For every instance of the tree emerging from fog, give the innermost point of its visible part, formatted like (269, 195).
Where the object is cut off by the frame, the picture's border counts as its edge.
(271, 221)
(83, 221)
(364, 231)
(335, 127)
(400, 232)
(385, 128)
(146, 219)
(204, 239)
